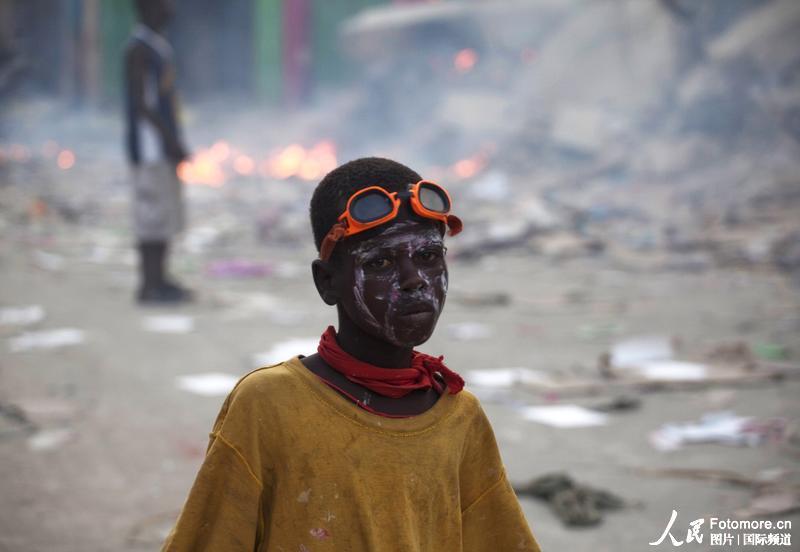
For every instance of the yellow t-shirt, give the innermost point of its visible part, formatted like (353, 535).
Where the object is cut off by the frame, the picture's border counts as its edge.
(292, 466)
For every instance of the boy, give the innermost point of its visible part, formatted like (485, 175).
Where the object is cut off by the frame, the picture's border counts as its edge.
(154, 149)
(367, 445)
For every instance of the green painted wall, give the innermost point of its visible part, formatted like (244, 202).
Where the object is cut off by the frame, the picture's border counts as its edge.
(116, 20)
(328, 65)
(267, 48)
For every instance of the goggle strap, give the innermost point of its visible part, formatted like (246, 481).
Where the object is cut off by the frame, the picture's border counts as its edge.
(454, 224)
(335, 234)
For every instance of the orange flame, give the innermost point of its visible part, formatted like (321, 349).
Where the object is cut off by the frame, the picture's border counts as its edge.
(244, 165)
(297, 161)
(65, 160)
(470, 166)
(214, 165)
(202, 168)
(465, 60)
(19, 153)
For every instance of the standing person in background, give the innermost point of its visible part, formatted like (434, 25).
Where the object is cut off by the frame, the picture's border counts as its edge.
(154, 149)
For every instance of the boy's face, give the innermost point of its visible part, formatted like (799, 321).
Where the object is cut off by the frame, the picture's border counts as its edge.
(392, 281)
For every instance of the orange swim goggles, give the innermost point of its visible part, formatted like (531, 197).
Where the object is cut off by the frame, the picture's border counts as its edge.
(374, 206)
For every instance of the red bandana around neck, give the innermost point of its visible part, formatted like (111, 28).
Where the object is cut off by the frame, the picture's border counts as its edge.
(389, 382)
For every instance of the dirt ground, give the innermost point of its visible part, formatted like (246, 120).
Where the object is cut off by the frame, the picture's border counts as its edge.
(99, 445)
(134, 441)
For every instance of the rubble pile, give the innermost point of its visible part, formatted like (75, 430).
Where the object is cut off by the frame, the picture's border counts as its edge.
(663, 133)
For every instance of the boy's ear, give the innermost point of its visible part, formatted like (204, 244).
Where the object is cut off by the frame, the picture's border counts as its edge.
(324, 279)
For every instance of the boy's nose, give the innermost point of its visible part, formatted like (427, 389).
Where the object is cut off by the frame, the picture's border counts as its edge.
(410, 277)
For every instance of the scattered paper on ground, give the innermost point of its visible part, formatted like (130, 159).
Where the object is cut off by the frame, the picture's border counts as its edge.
(21, 316)
(715, 427)
(48, 439)
(46, 339)
(285, 350)
(168, 323)
(48, 261)
(210, 384)
(467, 331)
(504, 377)
(564, 415)
(632, 352)
(672, 370)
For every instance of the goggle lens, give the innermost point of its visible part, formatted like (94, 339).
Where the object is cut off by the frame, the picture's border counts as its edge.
(370, 206)
(433, 199)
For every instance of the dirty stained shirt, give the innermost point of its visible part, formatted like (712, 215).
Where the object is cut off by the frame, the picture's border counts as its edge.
(293, 466)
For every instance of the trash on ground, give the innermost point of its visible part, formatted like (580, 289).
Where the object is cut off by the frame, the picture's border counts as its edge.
(45, 410)
(504, 377)
(631, 353)
(210, 384)
(168, 323)
(482, 299)
(733, 353)
(772, 503)
(575, 504)
(21, 316)
(762, 478)
(467, 331)
(771, 351)
(48, 261)
(286, 350)
(719, 427)
(46, 339)
(48, 439)
(619, 404)
(673, 370)
(239, 268)
(564, 416)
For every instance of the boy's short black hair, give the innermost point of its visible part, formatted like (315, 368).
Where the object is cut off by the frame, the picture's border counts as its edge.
(331, 195)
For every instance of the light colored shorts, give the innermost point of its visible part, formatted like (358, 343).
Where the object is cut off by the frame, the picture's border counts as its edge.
(158, 209)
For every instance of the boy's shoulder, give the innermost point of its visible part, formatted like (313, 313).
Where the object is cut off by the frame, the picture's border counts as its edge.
(274, 378)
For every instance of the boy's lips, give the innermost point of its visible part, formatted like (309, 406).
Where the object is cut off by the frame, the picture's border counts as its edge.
(416, 308)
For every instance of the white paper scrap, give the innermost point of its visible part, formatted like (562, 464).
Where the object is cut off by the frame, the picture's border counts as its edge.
(168, 323)
(21, 316)
(504, 377)
(715, 427)
(46, 339)
(632, 352)
(564, 416)
(468, 331)
(285, 350)
(210, 384)
(671, 370)
(48, 439)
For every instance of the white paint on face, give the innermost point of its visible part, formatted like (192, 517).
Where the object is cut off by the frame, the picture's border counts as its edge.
(358, 293)
(404, 239)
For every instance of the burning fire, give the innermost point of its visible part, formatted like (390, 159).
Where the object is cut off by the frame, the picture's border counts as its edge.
(244, 165)
(465, 60)
(470, 166)
(205, 167)
(213, 166)
(65, 160)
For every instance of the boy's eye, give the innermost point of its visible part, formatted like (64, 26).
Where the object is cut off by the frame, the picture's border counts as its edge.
(430, 255)
(378, 263)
